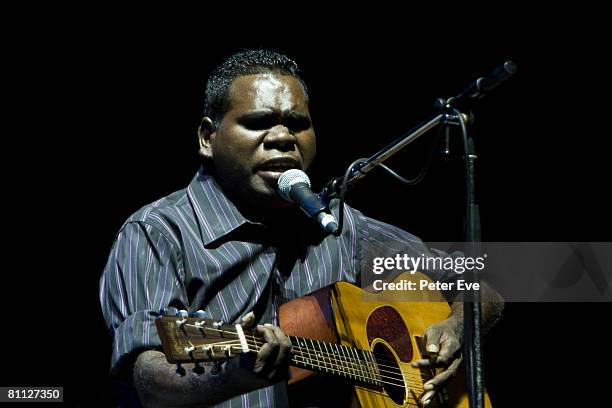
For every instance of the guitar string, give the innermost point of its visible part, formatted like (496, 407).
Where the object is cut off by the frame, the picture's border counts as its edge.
(359, 363)
(358, 366)
(379, 357)
(297, 357)
(360, 376)
(351, 374)
(397, 372)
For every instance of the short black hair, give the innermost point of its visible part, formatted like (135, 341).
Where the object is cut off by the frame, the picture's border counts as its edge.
(248, 62)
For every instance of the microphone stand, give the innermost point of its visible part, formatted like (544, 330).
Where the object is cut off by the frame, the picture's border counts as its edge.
(449, 114)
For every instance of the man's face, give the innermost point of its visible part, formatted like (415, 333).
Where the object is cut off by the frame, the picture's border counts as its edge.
(266, 131)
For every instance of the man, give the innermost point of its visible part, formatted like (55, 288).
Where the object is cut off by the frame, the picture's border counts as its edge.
(221, 246)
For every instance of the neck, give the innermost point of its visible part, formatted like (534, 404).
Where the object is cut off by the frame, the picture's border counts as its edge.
(329, 358)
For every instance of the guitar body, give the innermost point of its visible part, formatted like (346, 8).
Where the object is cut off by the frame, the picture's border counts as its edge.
(387, 324)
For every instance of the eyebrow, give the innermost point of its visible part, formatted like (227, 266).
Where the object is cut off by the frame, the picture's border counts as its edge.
(260, 114)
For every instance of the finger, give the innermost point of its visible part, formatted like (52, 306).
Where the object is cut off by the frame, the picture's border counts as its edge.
(442, 378)
(266, 354)
(424, 362)
(427, 397)
(248, 320)
(432, 337)
(449, 346)
(284, 345)
(429, 362)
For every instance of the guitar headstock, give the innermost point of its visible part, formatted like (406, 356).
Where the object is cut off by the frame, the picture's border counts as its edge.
(192, 339)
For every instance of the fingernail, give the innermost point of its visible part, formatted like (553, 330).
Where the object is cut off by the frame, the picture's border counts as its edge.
(429, 386)
(267, 325)
(248, 316)
(432, 348)
(426, 402)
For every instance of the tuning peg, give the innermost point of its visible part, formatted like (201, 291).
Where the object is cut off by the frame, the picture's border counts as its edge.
(218, 324)
(198, 368)
(183, 315)
(208, 349)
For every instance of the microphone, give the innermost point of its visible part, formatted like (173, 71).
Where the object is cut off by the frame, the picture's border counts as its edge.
(482, 86)
(294, 186)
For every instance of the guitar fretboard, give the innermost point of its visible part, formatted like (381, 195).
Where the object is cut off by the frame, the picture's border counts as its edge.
(329, 358)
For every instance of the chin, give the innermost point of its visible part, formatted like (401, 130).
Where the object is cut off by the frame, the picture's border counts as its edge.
(272, 201)
(264, 196)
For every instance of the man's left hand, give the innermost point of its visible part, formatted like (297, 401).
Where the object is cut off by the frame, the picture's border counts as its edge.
(443, 345)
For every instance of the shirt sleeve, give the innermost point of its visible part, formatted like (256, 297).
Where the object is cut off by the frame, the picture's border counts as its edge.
(142, 276)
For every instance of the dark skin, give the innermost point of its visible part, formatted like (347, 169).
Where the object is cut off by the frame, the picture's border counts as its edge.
(267, 130)
(268, 124)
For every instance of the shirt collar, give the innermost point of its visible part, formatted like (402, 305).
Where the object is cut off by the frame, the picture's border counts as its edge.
(216, 214)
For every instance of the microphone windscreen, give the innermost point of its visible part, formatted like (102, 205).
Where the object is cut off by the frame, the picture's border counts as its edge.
(288, 179)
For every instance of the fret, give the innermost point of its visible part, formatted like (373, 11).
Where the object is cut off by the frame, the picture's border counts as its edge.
(349, 351)
(311, 351)
(322, 356)
(341, 370)
(329, 357)
(371, 367)
(355, 361)
(364, 366)
(305, 355)
(314, 352)
(358, 362)
(342, 360)
(377, 377)
(351, 369)
(345, 371)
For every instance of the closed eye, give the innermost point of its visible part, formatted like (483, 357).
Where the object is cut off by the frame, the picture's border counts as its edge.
(296, 122)
(258, 120)
(262, 120)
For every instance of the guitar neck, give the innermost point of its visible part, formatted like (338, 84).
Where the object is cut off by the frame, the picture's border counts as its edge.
(333, 359)
(192, 339)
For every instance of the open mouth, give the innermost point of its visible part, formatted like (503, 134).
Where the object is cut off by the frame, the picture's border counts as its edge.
(279, 166)
(277, 169)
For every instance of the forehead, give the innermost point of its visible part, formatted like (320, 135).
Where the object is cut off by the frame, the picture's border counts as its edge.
(269, 91)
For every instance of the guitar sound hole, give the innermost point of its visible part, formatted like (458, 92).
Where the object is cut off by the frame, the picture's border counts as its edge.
(392, 378)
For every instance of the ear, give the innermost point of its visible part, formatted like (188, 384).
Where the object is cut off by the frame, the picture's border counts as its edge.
(206, 132)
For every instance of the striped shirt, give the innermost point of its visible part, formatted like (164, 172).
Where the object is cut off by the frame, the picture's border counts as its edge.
(194, 250)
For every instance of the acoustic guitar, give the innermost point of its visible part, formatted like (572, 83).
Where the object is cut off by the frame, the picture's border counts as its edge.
(366, 338)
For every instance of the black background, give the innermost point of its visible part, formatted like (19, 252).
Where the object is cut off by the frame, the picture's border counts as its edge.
(103, 116)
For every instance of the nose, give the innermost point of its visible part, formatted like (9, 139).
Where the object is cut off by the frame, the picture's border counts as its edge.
(280, 138)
